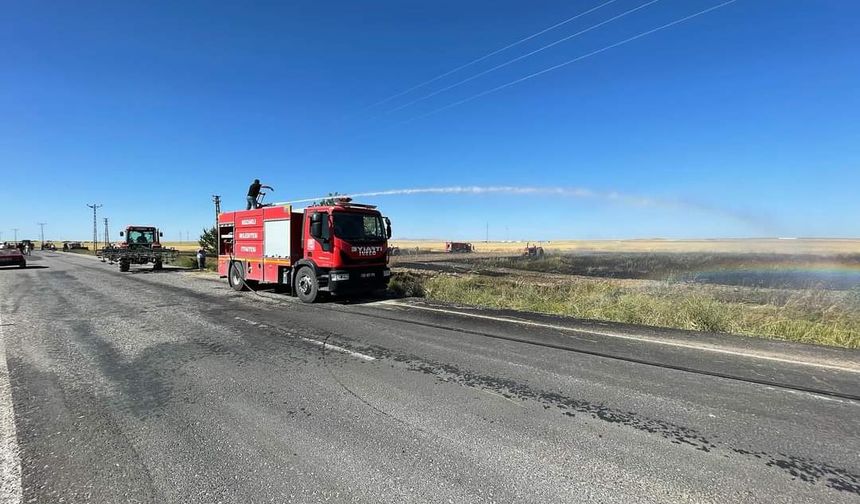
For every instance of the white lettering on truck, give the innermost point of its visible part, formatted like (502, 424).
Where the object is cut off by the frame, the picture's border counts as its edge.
(248, 236)
(252, 250)
(248, 222)
(367, 251)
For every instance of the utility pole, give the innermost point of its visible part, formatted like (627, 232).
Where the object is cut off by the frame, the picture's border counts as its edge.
(217, 200)
(487, 238)
(15, 230)
(95, 208)
(107, 234)
(42, 233)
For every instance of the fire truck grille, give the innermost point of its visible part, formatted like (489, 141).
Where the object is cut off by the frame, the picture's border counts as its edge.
(347, 260)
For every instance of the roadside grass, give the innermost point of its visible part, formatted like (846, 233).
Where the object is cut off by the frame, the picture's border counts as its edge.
(189, 260)
(807, 316)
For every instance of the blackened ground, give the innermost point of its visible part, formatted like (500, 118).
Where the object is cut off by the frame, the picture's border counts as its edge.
(170, 387)
(776, 271)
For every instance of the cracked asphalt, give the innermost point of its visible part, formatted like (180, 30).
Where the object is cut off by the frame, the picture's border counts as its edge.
(171, 388)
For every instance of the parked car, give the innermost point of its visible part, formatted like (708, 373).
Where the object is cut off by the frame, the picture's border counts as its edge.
(12, 257)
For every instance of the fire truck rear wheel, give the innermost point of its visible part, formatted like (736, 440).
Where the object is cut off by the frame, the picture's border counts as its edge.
(237, 276)
(307, 286)
(157, 265)
(124, 266)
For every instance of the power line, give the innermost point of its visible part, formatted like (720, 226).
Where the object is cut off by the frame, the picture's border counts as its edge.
(524, 56)
(493, 53)
(568, 62)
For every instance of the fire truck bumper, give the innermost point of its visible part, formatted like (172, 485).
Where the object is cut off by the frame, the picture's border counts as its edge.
(358, 280)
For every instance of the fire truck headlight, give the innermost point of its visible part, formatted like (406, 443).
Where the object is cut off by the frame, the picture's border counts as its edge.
(337, 277)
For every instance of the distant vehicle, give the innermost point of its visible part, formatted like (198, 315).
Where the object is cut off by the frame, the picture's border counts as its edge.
(533, 251)
(48, 245)
(142, 245)
(12, 257)
(339, 248)
(72, 245)
(458, 247)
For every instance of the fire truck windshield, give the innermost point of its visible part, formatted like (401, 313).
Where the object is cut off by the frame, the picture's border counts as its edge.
(136, 236)
(359, 227)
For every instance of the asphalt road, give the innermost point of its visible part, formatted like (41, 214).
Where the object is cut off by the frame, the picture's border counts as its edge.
(170, 388)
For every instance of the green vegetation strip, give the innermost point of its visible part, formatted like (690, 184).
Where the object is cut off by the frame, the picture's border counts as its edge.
(807, 316)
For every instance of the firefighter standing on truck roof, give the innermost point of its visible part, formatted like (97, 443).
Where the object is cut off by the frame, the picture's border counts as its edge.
(254, 192)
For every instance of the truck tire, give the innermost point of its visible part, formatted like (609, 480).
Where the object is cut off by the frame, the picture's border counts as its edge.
(124, 265)
(307, 286)
(236, 276)
(23, 264)
(157, 265)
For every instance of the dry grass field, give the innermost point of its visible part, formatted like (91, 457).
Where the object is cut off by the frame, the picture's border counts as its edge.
(824, 246)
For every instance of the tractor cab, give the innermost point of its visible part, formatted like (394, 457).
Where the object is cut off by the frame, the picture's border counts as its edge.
(141, 237)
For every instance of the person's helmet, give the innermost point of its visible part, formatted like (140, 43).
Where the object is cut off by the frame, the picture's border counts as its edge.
(256, 181)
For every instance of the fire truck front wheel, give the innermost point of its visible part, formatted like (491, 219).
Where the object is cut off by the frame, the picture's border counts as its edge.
(124, 265)
(307, 286)
(237, 276)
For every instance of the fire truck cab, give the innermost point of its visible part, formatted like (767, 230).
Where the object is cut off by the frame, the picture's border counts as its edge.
(340, 249)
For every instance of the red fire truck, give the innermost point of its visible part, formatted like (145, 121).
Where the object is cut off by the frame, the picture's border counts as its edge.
(339, 249)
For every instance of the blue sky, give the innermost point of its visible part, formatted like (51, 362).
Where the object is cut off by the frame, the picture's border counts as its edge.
(740, 122)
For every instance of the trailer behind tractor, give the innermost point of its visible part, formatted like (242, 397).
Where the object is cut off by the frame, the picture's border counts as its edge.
(141, 245)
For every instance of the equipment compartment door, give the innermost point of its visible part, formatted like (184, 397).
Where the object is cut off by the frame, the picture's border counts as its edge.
(276, 244)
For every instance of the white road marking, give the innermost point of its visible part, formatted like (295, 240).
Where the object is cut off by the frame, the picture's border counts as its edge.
(329, 346)
(626, 337)
(10, 459)
(326, 346)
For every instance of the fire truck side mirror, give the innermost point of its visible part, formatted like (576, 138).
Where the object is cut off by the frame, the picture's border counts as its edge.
(122, 233)
(160, 233)
(316, 225)
(387, 227)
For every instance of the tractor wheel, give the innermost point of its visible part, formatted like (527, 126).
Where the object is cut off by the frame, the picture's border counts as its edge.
(236, 277)
(307, 286)
(157, 265)
(124, 265)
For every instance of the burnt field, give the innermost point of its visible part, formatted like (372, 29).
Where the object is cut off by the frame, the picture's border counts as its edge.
(773, 271)
(798, 297)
